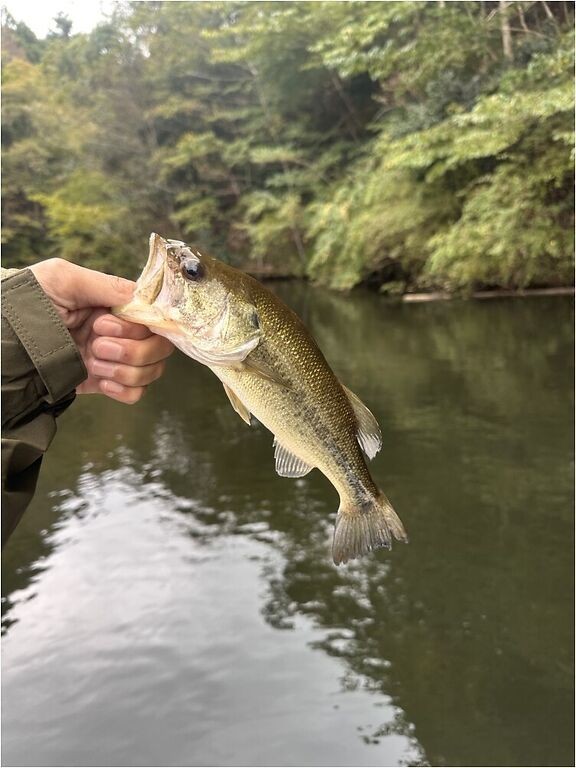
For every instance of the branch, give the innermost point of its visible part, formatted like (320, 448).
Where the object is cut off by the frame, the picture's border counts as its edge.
(505, 30)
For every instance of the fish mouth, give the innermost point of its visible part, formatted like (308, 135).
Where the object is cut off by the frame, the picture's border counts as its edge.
(142, 308)
(151, 302)
(151, 280)
(168, 255)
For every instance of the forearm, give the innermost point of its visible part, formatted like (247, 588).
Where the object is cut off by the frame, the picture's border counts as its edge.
(41, 367)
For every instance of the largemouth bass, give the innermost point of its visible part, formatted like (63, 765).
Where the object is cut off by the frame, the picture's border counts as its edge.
(272, 368)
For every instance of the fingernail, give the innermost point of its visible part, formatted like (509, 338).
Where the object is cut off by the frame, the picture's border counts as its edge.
(109, 328)
(112, 387)
(105, 370)
(109, 350)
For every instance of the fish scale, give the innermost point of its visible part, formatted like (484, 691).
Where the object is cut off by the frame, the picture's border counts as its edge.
(271, 367)
(321, 428)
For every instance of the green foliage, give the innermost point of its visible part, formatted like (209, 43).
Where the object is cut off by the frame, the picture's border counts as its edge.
(376, 219)
(85, 219)
(404, 143)
(506, 235)
(481, 197)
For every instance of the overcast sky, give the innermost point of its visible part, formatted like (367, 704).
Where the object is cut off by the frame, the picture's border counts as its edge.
(39, 14)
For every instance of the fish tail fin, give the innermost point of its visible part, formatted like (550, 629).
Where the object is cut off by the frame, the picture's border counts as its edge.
(364, 527)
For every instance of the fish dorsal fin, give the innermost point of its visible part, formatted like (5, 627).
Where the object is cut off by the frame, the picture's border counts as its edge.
(287, 463)
(368, 434)
(237, 404)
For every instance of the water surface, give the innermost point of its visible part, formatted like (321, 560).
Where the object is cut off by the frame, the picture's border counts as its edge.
(169, 600)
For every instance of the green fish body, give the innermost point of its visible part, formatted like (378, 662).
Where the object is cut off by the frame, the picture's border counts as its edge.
(271, 368)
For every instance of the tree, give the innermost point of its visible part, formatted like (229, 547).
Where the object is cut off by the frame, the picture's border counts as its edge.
(409, 144)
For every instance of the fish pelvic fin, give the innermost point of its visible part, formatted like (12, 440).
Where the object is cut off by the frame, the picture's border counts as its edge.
(237, 404)
(365, 527)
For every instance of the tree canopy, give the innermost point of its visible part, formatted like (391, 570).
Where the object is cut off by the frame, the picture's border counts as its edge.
(407, 144)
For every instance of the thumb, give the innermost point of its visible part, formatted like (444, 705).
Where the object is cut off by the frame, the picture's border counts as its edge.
(89, 288)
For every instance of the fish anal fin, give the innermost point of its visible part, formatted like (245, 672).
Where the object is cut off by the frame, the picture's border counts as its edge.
(287, 463)
(237, 404)
(368, 433)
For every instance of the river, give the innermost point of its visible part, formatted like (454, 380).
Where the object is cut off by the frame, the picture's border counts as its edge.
(168, 600)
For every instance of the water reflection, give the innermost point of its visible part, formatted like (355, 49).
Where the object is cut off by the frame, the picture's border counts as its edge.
(457, 647)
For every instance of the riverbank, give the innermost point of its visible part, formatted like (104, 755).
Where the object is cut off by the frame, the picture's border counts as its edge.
(496, 294)
(268, 276)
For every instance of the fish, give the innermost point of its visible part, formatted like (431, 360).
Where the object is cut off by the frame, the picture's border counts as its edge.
(273, 370)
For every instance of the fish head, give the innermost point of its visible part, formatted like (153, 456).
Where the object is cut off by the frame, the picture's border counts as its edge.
(196, 301)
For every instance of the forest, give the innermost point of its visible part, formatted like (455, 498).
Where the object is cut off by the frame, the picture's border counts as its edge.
(402, 145)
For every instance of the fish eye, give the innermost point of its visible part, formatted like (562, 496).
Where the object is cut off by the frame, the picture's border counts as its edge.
(192, 269)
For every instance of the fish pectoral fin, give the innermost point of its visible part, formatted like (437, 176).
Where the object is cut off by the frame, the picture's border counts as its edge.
(368, 433)
(262, 369)
(287, 463)
(237, 404)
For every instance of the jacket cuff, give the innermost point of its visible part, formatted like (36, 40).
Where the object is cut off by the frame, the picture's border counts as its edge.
(43, 335)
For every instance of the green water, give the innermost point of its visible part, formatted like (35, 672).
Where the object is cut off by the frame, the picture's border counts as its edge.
(168, 600)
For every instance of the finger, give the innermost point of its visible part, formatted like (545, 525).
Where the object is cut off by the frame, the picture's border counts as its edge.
(127, 395)
(109, 325)
(127, 375)
(131, 351)
(95, 289)
(74, 287)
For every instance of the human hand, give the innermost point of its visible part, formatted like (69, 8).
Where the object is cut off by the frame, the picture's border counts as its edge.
(122, 358)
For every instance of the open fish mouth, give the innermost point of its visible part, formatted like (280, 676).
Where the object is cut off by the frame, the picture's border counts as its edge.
(142, 308)
(165, 256)
(155, 291)
(151, 281)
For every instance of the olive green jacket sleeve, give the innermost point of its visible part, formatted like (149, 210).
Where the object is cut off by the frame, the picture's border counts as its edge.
(41, 367)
